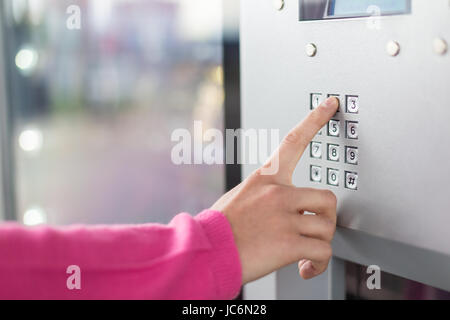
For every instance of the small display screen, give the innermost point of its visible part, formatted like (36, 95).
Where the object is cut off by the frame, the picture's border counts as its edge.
(340, 9)
(352, 8)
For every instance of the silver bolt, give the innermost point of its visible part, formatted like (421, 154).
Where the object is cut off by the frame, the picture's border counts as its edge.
(311, 50)
(278, 4)
(393, 48)
(440, 46)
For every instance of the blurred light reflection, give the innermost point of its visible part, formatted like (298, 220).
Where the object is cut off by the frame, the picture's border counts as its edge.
(34, 216)
(31, 140)
(26, 60)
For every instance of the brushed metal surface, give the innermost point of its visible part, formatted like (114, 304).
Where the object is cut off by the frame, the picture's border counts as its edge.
(399, 217)
(404, 133)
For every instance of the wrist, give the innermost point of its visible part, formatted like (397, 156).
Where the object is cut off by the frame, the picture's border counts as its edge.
(225, 259)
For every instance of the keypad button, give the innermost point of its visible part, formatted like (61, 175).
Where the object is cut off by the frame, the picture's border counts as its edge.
(316, 174)
(316, 100)
(316, 150)
(321, 131)
(333, 152)
(352, 130)
(324, 129)
(352, 104)
(351, 180)
(351, 155)
(339, 99)
(333, 128)
(333, 177)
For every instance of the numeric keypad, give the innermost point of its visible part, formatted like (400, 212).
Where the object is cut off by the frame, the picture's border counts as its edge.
(334, 151)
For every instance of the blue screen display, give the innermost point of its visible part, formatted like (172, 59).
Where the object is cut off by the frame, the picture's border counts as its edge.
(348, 8)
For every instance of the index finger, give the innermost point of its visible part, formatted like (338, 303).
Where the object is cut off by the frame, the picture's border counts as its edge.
(294, 144)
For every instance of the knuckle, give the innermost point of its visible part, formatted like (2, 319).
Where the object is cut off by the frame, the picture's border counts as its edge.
(257, 173)
(317, 116)
(327, 251)
(332, 226)
(292, 138)
(257, 176)
(329, 229)
(330, 198)
(254, 178)
(273, 192)
(322, 108)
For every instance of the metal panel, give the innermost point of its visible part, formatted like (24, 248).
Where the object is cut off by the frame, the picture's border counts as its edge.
(404, 135)
(425, 266)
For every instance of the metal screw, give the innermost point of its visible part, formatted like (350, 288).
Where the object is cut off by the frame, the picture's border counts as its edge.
(311, 50)
(440, 46)
(278, 4)
(393, 48)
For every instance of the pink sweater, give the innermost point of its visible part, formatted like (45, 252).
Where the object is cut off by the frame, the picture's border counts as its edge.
(191, 258)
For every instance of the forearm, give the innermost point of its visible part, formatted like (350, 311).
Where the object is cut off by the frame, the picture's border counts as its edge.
(191, 258)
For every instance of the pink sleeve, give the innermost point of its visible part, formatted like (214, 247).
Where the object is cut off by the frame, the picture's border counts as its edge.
(191, 258)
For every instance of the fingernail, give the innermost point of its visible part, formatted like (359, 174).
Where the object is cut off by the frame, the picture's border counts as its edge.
(308, 265)
(332, 102)
(308, 270)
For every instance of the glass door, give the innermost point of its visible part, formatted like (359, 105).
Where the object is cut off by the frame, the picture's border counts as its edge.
(95, 90)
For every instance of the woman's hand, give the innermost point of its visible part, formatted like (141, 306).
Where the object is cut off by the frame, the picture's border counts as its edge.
(266, 212)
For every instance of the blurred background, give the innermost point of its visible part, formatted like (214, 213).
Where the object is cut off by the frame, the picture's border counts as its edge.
(92, 110)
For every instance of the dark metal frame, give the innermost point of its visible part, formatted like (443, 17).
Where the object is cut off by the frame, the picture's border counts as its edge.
(8, 196)
(232, 105)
